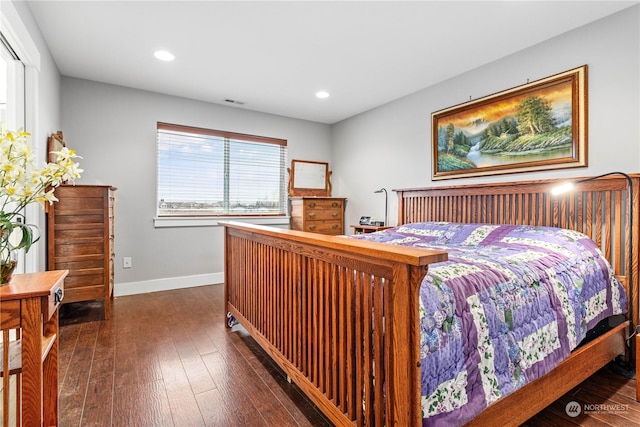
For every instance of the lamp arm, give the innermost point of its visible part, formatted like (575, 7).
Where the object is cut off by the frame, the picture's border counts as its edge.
(386, 204)
(592, 178)
(386, 210)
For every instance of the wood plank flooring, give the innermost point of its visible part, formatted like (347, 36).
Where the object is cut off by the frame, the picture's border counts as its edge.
(166, 359)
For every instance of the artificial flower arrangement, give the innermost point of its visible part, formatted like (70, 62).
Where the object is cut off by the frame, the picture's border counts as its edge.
(22, 183)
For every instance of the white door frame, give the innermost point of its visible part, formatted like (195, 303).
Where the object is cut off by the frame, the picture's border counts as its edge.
(16, 34)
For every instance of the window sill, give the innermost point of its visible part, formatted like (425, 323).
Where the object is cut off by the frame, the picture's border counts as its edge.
(212, 221)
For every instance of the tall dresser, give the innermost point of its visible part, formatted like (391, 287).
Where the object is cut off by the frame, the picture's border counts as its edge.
(324, 215)
(80, 239)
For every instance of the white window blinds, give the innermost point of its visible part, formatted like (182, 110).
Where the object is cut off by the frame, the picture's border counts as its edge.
(205, 172)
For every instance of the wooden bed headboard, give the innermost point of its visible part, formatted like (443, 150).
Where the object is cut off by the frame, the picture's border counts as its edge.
(597, 208)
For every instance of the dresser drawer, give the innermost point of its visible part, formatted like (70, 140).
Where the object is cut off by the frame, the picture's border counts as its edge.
(321, 204)
(324, 227)
(82, 278)
(323, 215)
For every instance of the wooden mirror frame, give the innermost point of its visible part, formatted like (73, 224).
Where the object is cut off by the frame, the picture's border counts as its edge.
(56, 143)
(309, 178)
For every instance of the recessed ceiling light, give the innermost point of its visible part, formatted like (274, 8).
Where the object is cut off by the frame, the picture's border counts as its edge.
(322, 94)
(163, 55)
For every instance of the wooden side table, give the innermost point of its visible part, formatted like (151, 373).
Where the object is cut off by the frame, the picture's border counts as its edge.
(30, 304)
(362, 229)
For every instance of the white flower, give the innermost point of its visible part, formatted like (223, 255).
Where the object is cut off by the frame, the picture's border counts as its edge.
(22, 183)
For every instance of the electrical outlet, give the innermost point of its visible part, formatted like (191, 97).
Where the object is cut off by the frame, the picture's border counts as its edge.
(126, 262)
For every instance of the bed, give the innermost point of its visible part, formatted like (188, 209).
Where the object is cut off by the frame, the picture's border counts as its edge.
(342, 316)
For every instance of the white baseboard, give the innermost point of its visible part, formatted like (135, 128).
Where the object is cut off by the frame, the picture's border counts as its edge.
(131, 288)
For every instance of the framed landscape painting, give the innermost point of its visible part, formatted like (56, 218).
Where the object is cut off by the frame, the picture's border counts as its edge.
(537, 126)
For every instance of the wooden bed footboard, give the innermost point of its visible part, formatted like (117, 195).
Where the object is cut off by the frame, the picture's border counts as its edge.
(340, 317)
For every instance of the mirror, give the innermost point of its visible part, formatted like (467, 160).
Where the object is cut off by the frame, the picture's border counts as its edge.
(309, 178)
(56, 143)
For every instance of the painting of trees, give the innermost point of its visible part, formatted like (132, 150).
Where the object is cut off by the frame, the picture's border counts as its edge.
(536, 126)
(534, 116)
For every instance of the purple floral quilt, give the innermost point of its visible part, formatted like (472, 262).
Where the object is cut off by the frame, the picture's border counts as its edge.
(509, 304)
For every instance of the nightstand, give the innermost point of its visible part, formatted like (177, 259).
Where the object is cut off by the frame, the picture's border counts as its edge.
(362, 229)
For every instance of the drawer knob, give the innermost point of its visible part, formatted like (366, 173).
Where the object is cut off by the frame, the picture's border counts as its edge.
(312, 227)
(335, 215)
(334, 204)
(312, 215)
(336, 225)
(312, 204)
(58, 295)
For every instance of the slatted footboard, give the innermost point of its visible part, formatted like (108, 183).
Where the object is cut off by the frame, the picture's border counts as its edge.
(340, 317)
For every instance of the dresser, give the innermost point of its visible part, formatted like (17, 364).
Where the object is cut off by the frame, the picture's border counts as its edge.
(80, 239)
(324, 215)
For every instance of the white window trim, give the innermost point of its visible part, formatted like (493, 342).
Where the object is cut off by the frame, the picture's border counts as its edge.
(213, 221)
(18, 37)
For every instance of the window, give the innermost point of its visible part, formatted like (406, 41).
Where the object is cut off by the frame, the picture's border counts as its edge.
(12, 108)
(12, 95)
(203, 172)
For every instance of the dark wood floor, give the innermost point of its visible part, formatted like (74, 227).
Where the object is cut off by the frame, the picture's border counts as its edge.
(166, 359)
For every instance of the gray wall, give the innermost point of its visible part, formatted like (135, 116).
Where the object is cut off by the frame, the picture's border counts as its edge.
(393, 142)
(114, 130)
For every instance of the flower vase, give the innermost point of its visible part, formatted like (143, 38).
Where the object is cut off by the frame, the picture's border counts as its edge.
(7, 267)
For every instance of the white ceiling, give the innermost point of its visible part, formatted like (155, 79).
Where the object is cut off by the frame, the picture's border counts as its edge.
(274, 55)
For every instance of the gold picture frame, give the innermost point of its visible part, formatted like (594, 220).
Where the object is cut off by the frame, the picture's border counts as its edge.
(541, 125)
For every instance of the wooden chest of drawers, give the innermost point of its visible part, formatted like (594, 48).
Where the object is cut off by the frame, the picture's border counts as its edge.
(324, 215)
(80, 239)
